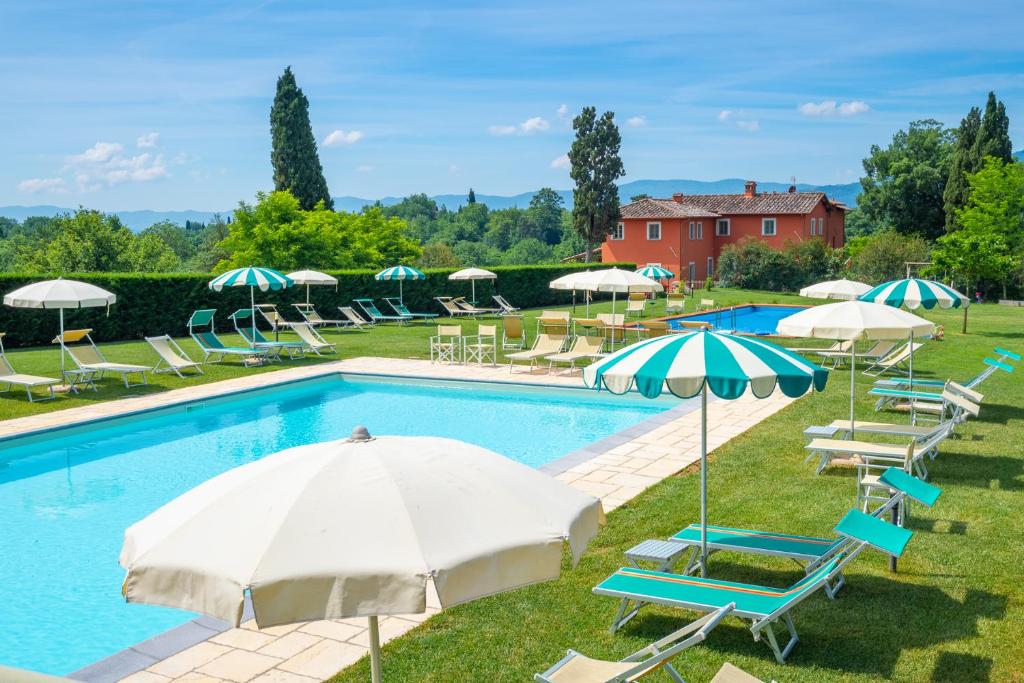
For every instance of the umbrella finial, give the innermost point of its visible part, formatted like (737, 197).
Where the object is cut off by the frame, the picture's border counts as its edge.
(360, 435)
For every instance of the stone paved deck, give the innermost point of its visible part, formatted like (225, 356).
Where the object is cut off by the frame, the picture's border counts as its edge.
(311, 652)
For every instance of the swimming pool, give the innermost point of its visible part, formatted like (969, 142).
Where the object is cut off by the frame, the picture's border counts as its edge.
(67, 496)
(749, 319)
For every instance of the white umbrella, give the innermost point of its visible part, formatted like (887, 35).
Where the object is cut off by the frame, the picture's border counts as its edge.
(473, 274)
(312, 277)
(572, 281)
(836, 289)
(851, 321)
(616, 280)
(356, 528)
(251, 277)
(60, 294)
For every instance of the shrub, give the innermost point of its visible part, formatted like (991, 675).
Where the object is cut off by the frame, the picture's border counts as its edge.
(883, 256)
(752, 264)
(153, 304)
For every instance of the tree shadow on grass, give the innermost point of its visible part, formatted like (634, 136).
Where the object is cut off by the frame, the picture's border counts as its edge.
(956, 667)
(863, 631)
(1000, 413)
(979, 471)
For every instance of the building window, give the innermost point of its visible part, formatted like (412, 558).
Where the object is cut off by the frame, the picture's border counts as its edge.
(618, 232)
(768, 227)
(654, 231)
(711, 267)
(700, 230)
(693, 228)
(722, 227)
(691, 274)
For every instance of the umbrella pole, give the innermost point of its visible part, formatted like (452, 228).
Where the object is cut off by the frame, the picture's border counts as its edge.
(613, 320)
(401, 298)
(853, 388)
(62, 343)
(252, 312)
(374, 650)
(704, 480)
(307, 294)
(913, 415)
(473, 283)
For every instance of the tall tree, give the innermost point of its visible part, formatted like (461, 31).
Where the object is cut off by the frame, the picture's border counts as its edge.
(903, 184)
(965, 160)
(471, 197)
(595, 166)
(994, 134)
(293, 153)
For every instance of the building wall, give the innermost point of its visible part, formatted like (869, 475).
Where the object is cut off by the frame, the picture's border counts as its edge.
(676, 250)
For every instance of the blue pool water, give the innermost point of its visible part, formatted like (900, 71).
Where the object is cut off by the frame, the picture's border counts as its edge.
(66, 498)
(749, 319)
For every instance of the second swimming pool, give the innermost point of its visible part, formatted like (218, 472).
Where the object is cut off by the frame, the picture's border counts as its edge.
(749, 319)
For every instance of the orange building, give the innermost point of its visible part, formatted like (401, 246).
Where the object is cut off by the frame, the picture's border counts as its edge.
(687, 232)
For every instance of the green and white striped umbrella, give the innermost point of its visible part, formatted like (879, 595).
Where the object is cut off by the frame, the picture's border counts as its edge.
(252, 277)
(400, 273)
(691, 363)
(915, 293)
(655, 272)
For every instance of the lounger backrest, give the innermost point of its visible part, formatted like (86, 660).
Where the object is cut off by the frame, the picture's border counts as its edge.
(969, 394)
(557, 315)
(549, 343)
(921, 491)
(202, 317)
(707, 302)
(449, 306)
(588, 344)
(883, 348)
(312, 316)
(876, 532)
(208, 340)
(352, 315)
(612, 318)
(86, 354)
(637, 296)
(962, 405)
(162, 345)
(370, 307)
(5, 366)
(513, 325)
(635, 305)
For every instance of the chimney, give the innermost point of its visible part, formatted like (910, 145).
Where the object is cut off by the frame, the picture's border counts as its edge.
(792, 189)
(750, 189)
(677, 197)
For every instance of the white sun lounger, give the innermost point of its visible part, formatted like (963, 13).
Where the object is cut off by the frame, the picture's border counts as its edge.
(353, 316)
(544, 345)
(88, 357)
(310, 315)
(583, 348)
(313, 341)
(894, 361)
(172, 357)
(10, 377)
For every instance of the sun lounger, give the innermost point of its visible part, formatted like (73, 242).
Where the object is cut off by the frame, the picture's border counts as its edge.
(578, 668)
(251, 334)
(371, 310)
(649, 329)
(10, 377)
(544, 345)
(991, 366)
(461, 302)
(636, 307)
(954, 403)
(448, 304)
(840, 347)
(214, 350)
(894, 362)
(310, 315)
(172, 357)
(553, 322)
(87, 357)
(400, 309)
(877, 351)
(910, 456)
(513, 332)
(841, 429)
(312, 339)
(353, 316)
(675, 303)
(505, 307)
(583, 348)
(611, 325)
(763, 606)
(273, 317)
(733, 674)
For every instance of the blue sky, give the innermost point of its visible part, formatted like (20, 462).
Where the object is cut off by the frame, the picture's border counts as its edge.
(164, 104)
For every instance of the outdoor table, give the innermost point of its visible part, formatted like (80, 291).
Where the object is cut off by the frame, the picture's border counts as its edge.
(77, 377)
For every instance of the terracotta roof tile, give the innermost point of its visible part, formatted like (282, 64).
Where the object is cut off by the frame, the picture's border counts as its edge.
(664, 208)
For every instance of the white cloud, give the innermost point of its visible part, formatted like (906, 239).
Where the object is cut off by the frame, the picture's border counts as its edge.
(725, 115)
(636, 121)
(729, 116)
(147, 140)
(560, 162)
(535, 124)
(562, 111)
(502, 130)
(342, 137)
(830, 108)
(749, 125)
(364, 168)
(33, 185)
(98, 153)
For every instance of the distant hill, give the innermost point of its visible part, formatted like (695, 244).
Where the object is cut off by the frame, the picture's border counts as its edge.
(138, 220)
(1019, 156)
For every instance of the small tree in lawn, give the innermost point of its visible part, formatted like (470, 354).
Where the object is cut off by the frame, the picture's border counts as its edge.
(973, 256)
(595, 166)
(293, 152)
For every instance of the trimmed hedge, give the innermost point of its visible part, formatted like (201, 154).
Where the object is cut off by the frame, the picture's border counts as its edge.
(153, 304)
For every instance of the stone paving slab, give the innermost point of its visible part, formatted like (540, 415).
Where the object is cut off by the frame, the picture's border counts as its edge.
(616, 470)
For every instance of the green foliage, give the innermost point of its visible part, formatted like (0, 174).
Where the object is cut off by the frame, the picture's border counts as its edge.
(972, 256)
(278, 233)
(752, 264)
(903, 184)
(528, 251)
(545, 215)
(595, 165)
(476, 254)
(858, 224)
(994, 134)
(151, 304)
(471, 197)
(965, 160)
(883, 256)
(438, 255)
(293, 148)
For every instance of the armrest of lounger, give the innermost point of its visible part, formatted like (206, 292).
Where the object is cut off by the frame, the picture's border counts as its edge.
(921, 491)
(1008, 354)
(996, 364)
(876, 532)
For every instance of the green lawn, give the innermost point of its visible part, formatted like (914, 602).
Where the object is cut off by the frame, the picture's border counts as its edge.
(953, 613)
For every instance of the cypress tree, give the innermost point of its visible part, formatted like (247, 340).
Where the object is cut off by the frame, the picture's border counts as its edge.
(293, 148)
(965, 160)
(471, 197)
(994, 134)
(595, 165)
